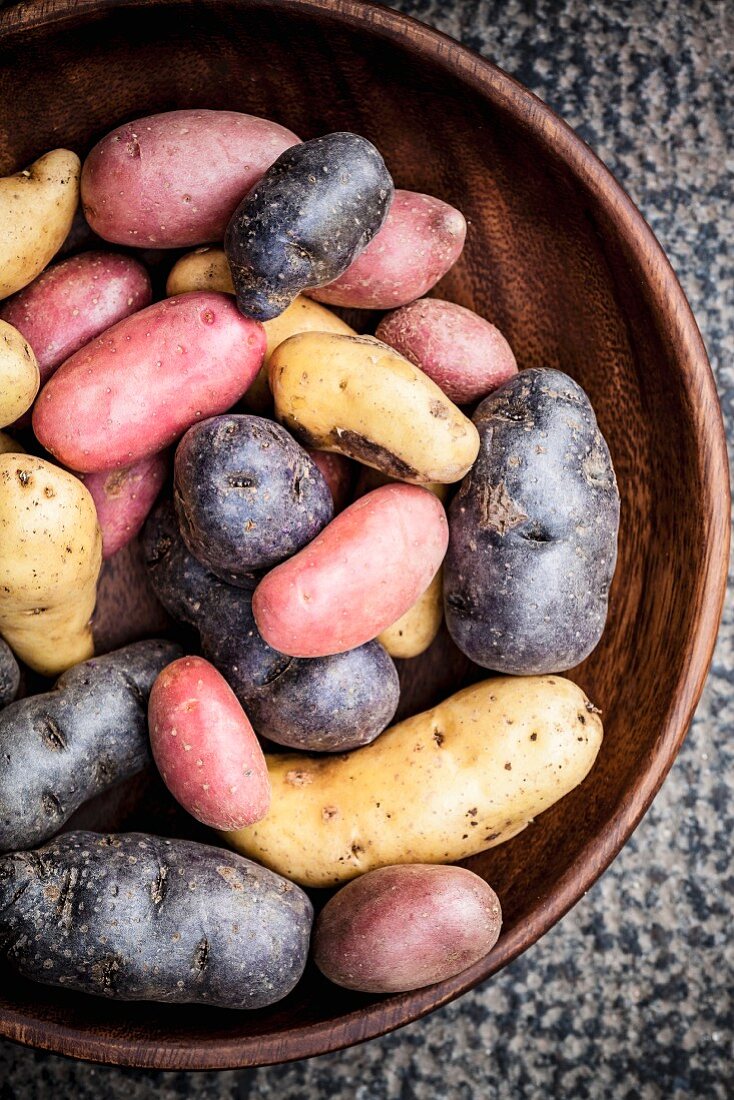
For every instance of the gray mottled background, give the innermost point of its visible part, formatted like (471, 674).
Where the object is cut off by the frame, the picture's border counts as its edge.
(631, 996)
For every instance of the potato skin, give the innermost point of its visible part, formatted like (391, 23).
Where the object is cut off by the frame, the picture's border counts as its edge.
(356, 396)
(37, 208)
(9, 675)
(134, 390)
(142, 918)
(325, 705)
(74, 301)
(338, 473)
(422, 237)
(205, 748)
(314, 210)
(413, 632)
(61, 748)
(247, 495)
(203, 269)
(357, 577)
(405, 927)
(19, 375)
(464, 354)
(123, 499)
(464, 776)
(50, 557)
(172, 180)
(8, 445)
(533, 530)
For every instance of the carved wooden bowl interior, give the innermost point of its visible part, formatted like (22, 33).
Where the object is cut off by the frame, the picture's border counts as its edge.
(559, 258)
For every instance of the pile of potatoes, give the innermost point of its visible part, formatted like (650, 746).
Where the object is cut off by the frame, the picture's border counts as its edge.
(313, 502)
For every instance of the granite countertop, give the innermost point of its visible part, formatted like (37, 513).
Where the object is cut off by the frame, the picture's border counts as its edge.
(631, 996)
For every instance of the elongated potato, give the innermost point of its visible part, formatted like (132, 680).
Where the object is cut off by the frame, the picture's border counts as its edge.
(37, 208)
(446, 784)
(172, 180)
(354, 395)
(414, 631)
(19, 375)
(360, 574)
(50, 557)
(140, 385)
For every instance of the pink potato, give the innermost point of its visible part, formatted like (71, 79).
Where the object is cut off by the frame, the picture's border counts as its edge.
(73, 301)
(138, 387)
(464, 354)
(123, 499)
(173, 180)
(404, 927)
(357, 577)
(205, 748)
(421, 238)
(338, 473)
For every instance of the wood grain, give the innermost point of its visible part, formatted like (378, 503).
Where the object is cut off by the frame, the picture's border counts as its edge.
(561, 260)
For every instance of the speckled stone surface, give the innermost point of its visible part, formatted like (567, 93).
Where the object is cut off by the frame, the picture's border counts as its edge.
(632, 995)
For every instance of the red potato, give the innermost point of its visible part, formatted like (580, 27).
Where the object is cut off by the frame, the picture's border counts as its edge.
(357, 577)
(338, 473)
(404, 927)
(73, 301)
(133, 391)
(421, 238)
(172, 180)
(123, 499)
(464, 354)
(205, 748)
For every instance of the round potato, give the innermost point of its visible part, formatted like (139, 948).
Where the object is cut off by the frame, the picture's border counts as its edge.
(50, 557)
(364, 570)
(37, 208)
(172, 180)
(414, 631)
(422, 237)
(356, 396)
(203, 269)
(404, 927)
(19, 375)
(464, 776)
(464, 354)
(533, 530)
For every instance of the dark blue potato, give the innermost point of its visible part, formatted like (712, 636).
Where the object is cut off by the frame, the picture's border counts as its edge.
(139, 918)
(9, 674)
(315, 209)
(533, 541)
(247, 495)
(327, 704)
(59, 749)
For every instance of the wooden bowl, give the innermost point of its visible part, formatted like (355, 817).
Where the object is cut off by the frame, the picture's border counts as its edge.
(562, 261)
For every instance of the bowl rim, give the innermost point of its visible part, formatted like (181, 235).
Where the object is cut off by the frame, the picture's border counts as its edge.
(557, 137)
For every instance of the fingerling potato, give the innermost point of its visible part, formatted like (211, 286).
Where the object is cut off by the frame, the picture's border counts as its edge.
(413, 632)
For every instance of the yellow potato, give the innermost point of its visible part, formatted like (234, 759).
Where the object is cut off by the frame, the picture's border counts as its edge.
(446, 784)
(9, 446)
(207, 269)
(369, 479)
(19, 375)
(356, 396)
(415, 630)
(50, 557)
(37, 208)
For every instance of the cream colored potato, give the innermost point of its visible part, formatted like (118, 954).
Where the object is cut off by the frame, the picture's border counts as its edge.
(415, 630)
(9, 446)
(354, 395)
(50, 557)
(19, 375)
(446, 784)
(37, 208)
(207, 269)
